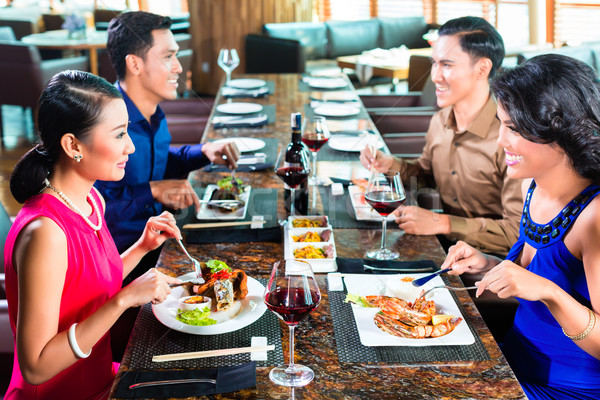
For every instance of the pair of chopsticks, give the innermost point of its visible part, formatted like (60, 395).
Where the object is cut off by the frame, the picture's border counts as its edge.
(372, 175)
(219, 224)
(211, 353)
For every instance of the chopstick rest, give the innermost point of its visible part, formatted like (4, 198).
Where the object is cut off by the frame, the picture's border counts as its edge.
(210, 353)
(259, 341)
(257, 221)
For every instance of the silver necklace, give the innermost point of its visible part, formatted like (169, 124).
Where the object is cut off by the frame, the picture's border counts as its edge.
(76, 209)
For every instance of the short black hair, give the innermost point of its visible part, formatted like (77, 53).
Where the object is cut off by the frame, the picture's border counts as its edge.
(555, 99)
(478, 38)
(131, 33)
(72, 102)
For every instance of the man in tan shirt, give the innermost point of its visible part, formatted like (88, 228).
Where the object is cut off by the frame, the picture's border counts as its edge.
(482, 206)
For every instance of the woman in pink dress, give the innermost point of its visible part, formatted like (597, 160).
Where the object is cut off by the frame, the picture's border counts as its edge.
(63, 271)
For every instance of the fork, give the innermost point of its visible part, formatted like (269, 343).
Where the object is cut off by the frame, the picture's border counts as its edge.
(449, 288)
(196, 263)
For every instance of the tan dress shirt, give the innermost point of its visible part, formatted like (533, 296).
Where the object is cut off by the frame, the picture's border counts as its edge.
(469, 169)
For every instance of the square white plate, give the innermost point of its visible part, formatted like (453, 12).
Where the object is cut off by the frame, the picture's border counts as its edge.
(206, 212)
(371, 335)
(353, 143)
(337, 110)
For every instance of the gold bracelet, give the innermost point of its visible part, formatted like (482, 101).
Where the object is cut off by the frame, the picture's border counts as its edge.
(587, 331)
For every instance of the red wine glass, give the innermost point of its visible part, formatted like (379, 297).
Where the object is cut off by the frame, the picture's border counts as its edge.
(293, 169)
(315, 135)
(384, 193)
(292, 293)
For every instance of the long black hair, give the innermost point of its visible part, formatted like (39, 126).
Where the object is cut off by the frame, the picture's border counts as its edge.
(72, 102)
(478, 38)
(555, 99)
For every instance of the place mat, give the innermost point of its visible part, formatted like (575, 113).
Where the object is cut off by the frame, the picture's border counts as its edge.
(350, 349)
(270, 85)
(262, 201)
(157, 339)
(228, 379)
(268, 109)
(270, 149)
(355, 265)
(341, 213)
(304, 87)
(309, 113)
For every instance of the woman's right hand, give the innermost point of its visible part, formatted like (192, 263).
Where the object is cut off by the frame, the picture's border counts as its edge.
(464, 258)
(152, 286)
(380, 161)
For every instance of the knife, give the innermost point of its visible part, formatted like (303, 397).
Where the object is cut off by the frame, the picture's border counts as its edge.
(425, 269)
(171, 382)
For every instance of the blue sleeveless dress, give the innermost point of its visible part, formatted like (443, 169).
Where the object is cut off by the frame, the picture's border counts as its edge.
(547, 363)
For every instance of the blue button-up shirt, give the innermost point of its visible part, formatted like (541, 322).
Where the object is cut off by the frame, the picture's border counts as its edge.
(129, 202)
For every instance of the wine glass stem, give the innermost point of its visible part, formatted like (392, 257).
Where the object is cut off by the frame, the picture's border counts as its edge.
(292, 201)
(383, 231)
(228, 76)
(314, 164)
(291, 363)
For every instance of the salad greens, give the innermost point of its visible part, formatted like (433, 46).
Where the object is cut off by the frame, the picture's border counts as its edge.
(226, 184)
(216, 266)
(196, 317)
(356, 299)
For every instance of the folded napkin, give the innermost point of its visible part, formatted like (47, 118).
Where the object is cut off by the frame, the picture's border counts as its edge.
(241, 167)
(345, 182)
(233, 92)
(229, 379)
(355, 265)
(226, 121)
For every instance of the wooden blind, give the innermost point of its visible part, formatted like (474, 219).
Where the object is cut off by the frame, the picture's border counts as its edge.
(574, 22)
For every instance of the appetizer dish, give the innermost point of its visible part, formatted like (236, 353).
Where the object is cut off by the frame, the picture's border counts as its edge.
(313, 252)
(313, 236)
(227, 191)
(414, 320)
(220, 294)
(309, 222)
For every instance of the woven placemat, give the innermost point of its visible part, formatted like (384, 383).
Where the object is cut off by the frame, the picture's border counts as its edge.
(268, 109)
(156, 339)
(262, 201)
(341, 213)
(350, 349)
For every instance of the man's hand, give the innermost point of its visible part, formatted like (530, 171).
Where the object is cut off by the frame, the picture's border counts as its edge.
(419, 221)
(215, 152)
(380, 161)
(175, 194)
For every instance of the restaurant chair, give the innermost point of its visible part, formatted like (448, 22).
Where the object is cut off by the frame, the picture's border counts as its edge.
(405, 145)
(20, 27)
(102, 18)
(388, 121)
(23, 75)
(53, 22)
(424, 100)
(419, 72)
(7, 34)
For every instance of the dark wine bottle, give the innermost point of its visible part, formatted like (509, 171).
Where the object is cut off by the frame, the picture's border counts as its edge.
(297, 152)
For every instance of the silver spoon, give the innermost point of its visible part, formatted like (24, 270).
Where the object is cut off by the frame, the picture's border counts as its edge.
(196, 263)
(449, 288)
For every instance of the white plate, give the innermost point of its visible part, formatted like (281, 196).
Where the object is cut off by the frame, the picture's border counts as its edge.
(206, 212)
(327, 83)
(362, 210)
(252, 308)
(371, 335)
(246, 83)
(353, 143)
(337, 110)
(317, 264)
(239, 108)
(244, 144)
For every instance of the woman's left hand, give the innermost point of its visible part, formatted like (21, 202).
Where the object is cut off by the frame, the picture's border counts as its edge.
(158, 229)
(509, 279)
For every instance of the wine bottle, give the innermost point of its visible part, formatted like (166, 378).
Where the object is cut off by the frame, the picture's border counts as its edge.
(297, 152)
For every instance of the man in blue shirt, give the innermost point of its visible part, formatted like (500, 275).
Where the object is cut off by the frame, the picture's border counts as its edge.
(143, 51)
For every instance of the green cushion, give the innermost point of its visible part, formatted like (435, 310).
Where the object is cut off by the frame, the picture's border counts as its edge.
(407, 31)
(312, 36)
(352, 37)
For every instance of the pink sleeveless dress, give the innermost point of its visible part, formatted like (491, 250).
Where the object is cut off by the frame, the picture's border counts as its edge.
(94, 274)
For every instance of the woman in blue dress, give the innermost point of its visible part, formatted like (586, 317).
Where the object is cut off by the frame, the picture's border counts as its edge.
(549, 110)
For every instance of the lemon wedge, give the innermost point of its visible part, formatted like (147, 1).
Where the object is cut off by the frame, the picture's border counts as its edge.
(440, 319)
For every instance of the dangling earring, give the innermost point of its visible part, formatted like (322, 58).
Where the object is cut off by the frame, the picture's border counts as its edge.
(77, 157)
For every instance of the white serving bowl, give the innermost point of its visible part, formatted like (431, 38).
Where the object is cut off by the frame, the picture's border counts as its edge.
(189, 303)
